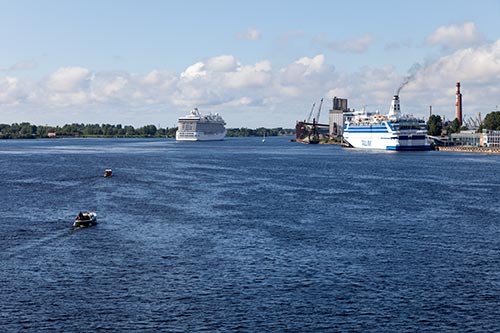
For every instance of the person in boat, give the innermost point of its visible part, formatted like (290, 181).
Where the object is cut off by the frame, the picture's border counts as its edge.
(82, 217)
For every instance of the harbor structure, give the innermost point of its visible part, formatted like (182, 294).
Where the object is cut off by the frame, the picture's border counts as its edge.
(336, 119)
(310, 130)
(491, 138)
(471, 138)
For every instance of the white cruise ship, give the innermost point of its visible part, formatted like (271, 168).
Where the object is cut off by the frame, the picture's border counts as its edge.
(198, 127)
(394, 131)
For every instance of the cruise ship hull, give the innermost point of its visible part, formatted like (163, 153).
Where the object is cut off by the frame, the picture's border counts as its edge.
(198, 127)
(199, 136)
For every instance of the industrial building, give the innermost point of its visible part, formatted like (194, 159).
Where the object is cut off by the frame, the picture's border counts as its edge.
(471, 138)
(491, 138)
(466, 138)
(336, 120)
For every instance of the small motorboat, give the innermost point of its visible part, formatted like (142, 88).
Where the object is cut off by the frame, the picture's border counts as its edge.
(85, 219)
(108, 173)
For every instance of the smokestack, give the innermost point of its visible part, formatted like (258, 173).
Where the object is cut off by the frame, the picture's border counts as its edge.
(395, 108)
(458, 104)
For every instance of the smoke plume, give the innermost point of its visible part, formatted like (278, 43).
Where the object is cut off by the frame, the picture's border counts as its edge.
(412, 72)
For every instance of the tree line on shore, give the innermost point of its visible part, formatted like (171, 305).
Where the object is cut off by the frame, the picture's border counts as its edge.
(28, 131)
(435, 125)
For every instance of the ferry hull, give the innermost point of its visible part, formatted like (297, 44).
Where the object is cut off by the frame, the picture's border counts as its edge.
(401, 143)
(394, 131)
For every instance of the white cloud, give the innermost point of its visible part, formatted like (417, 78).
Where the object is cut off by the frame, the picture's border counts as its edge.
(354, 45)
(257, 75)
(23, 66)
(194, 71)
(249, 34)
(456, 36)
(297, 72)
(312, 65)
(14, 91)
(153, 77)
(224, 63)
(219, 81)
(67, 79)
(106, 86)
(478, 70)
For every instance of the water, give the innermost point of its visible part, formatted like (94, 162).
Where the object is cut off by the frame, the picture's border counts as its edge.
(248, 236)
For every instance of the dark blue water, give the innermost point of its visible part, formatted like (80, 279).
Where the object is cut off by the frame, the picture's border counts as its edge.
(248, 236)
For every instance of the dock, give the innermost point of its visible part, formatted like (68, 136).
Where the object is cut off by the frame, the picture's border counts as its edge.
(469, 149)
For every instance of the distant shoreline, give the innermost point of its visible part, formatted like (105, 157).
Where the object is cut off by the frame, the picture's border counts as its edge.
(29, 131)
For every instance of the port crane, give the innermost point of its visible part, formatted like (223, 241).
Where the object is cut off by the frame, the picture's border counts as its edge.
(473, 123)
(316, 120)
(310, 113)
(308, 131)
(313, 134)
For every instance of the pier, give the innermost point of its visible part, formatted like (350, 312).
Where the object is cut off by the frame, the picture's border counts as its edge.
(470, 149)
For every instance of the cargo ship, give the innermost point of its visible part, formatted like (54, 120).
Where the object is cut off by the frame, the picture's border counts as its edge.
(394, 131)
(197, 127)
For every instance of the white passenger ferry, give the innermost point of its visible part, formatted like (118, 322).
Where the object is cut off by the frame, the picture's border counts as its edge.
(394, 131)
(198, 127)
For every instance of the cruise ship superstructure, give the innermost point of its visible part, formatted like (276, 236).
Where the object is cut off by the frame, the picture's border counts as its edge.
(198, 127)
(394, 131)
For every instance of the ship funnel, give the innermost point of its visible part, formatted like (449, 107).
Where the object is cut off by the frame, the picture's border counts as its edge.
(395, 109)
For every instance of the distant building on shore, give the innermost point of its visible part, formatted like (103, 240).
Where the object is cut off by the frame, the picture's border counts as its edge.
(491, 138)
(487, 138)
(336, 121)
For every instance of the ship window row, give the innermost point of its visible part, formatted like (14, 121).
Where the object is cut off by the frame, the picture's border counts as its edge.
(201, 127)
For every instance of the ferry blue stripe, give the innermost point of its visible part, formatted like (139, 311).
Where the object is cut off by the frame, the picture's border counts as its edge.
(367, 127)
(420, 147)
(366, 131)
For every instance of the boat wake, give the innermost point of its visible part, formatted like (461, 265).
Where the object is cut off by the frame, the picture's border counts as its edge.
(31, 243)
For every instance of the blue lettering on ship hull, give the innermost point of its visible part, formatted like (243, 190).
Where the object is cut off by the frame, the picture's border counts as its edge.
(366, 143)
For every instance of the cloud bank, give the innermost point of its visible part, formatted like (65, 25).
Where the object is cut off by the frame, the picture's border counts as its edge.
(456, 36)
(251, 95)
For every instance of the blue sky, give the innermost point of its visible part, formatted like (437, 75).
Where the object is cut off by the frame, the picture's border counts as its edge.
(258, 63)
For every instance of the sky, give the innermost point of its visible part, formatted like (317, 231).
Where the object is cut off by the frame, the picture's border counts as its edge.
(257, 63)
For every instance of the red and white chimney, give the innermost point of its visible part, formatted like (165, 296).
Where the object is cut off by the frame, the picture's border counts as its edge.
(458, 104)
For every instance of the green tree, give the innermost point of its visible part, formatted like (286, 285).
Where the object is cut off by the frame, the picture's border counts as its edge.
(171, 132)
(129, 130)
(492, 121)
(455, 126)
(434, 125)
